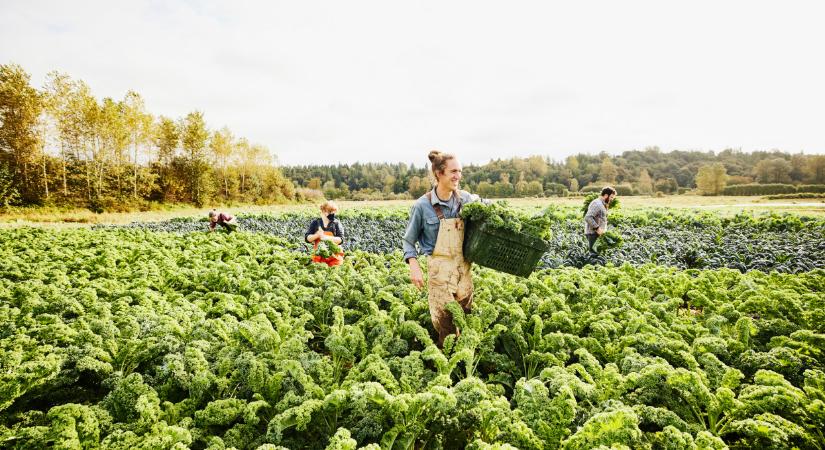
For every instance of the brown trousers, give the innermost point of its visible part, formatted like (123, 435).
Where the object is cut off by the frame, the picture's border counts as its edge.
(449, 277)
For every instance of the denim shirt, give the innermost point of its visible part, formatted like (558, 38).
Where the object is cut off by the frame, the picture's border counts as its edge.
(424, 223)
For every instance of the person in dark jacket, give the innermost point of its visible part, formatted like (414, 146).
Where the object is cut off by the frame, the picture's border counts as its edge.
(326, 228)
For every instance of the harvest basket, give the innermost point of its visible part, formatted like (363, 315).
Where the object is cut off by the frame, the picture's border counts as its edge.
(503, 250)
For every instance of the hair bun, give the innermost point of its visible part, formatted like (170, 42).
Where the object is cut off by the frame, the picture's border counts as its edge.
(435, 155)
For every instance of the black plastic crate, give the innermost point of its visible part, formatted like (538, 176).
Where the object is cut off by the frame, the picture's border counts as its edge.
(502, 250)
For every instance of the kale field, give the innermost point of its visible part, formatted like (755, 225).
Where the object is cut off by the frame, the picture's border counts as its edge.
(699, 332)
(785, 243)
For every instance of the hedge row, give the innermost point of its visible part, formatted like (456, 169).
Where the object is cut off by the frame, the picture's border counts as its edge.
(797, 195)
(735, 189)
(772, 189)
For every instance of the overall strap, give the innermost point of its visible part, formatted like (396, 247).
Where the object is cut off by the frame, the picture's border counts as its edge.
(323, 228)
(436, 207)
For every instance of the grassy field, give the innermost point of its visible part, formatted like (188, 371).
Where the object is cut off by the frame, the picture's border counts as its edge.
(723, 205)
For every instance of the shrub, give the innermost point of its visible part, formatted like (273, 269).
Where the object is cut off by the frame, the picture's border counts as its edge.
(815, 188)
(797, 195)
(759, 189)
(625, 189)
(555, 189)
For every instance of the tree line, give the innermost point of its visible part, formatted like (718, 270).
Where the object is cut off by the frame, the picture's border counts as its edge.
(633, 172)
(60, 145)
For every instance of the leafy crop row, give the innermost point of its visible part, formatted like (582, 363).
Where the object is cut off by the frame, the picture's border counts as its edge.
(788, 244)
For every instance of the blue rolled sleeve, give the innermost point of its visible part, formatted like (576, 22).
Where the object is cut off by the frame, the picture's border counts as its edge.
(413, 232)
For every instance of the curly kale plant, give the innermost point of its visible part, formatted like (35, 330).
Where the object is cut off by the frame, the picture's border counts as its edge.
(326, 249)
(607, 241)
(501, 216)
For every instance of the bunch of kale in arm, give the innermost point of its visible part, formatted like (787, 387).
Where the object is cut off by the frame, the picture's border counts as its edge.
(614, 204)
(501, 216)
(326, 249)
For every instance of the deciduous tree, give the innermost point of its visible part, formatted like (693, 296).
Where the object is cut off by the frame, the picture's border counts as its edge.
(711, 179)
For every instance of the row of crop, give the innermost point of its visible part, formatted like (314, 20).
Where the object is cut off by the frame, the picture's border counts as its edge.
(667, 217)
(134, 339)
(783, 243)
(739, 248)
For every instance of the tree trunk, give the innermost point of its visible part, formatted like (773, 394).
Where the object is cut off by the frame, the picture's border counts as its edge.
(45, 177)
(98, 168)
(88, 181)
(225, 183)
(63, 158)
(27, 184)
(136, 169)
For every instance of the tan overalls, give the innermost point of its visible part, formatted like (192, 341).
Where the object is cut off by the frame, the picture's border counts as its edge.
(449, 274)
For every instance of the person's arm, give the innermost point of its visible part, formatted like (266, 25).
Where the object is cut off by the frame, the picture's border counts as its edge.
(606, 213)
(602, 218)
(411, 235)
(416, 274)
(212, 225)
(590, 217)
(311, 234)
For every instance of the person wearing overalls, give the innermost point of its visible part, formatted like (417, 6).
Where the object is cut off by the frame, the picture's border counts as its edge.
(326, 228)
(438, 230)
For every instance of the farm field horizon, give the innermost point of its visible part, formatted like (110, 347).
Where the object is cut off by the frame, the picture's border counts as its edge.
(725, 205)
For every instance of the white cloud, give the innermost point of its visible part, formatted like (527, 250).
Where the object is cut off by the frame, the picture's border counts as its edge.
(321, 82)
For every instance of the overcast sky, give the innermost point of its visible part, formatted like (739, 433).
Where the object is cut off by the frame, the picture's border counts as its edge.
(344, 81)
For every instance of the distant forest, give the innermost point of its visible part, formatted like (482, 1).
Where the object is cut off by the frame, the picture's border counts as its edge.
(641, 172)
(62, 146)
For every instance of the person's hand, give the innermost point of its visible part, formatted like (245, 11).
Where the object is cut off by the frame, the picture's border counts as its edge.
(416, 276)
(600, 231)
